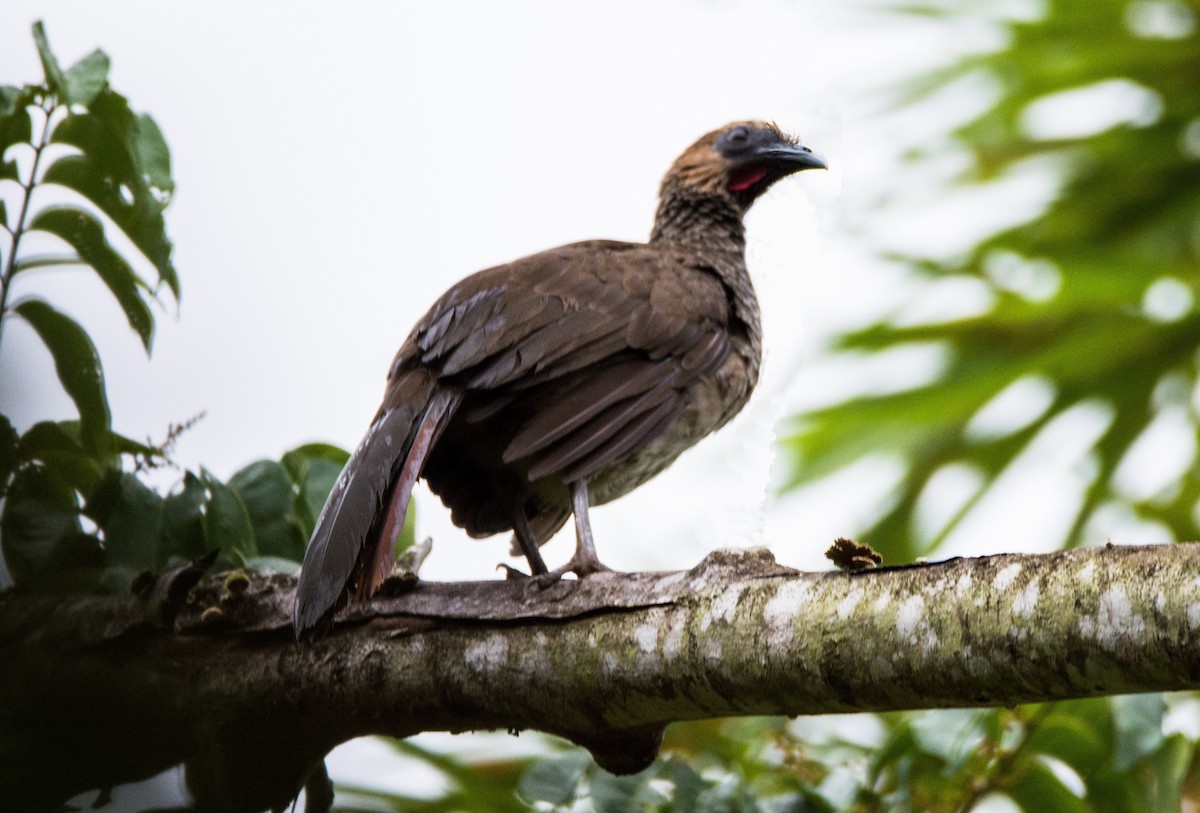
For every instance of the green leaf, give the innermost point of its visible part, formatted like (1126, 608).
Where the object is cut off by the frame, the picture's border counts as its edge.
(110, 173)
(1071, 740)
(408, 533)
(83, 232)
(1095, 714)
(1169, 766)
(899, 745)
(688, 786)
(132, 535)
(298, 460)
(10, 99)
(183, 519)
(226, 523)
(54, 75)
(78, 366)
(1039, 790)
(129, 513)
(493, 790)
(123, 445)
(322, 475)
(618, 794)
(953, 735)
(554, 780)
(269, 496)
(314, 468)
(46, 261)
(86, 78)
(152, 153)
(1138, 719)
(730, 796)
(15, 127)
(1117, 792)
(57, 446)
(8, 453)
(40, 532)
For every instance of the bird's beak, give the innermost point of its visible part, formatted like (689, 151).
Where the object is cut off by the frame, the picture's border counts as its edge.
(791, 157)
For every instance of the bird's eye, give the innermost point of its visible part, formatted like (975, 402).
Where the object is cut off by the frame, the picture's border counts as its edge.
(735, 141)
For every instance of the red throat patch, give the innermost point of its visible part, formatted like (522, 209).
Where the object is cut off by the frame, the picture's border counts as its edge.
(746, 179)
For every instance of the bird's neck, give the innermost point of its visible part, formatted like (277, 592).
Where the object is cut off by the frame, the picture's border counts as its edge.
(711, 227)
(700, 222)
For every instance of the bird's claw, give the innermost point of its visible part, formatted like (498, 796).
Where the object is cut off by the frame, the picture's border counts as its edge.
(582, 568)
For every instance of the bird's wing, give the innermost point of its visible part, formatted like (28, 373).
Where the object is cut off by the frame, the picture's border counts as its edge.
(607, 336)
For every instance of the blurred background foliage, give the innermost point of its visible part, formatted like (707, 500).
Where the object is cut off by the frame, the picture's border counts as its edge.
(1084, 315)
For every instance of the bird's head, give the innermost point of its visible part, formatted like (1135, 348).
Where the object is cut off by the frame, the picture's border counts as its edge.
(739, 161)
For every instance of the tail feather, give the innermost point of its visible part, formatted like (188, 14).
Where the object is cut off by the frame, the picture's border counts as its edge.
(352, 542)
(378, 556)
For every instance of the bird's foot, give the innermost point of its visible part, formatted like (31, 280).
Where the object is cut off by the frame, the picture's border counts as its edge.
(581, 566)
(511, 573)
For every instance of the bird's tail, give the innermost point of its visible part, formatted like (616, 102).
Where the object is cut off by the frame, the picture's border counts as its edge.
(352, 544)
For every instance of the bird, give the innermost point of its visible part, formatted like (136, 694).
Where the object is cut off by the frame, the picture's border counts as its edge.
(533, 390)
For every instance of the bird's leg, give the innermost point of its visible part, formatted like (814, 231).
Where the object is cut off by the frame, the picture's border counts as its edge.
(529, 545)
(584, 561)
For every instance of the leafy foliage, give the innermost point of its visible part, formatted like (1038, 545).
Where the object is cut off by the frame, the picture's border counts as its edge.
(75, 522)
(696, 778)
(1093, 304)
(1109, 757)
(78, 512)
(86, 167)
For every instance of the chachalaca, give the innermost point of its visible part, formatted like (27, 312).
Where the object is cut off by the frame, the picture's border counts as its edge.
(532, 390)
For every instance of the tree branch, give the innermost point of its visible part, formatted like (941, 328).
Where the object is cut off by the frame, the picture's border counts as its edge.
(101, 690)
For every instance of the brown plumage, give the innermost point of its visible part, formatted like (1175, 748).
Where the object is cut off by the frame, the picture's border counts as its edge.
(568, 378)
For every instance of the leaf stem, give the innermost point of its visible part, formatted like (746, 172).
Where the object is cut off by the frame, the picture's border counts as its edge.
(48, 107)
(48, 261)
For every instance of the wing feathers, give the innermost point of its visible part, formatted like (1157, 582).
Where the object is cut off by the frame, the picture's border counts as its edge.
(530, 318)
(599, 433)
(585, 354)
(626, 439)
(567, 411)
